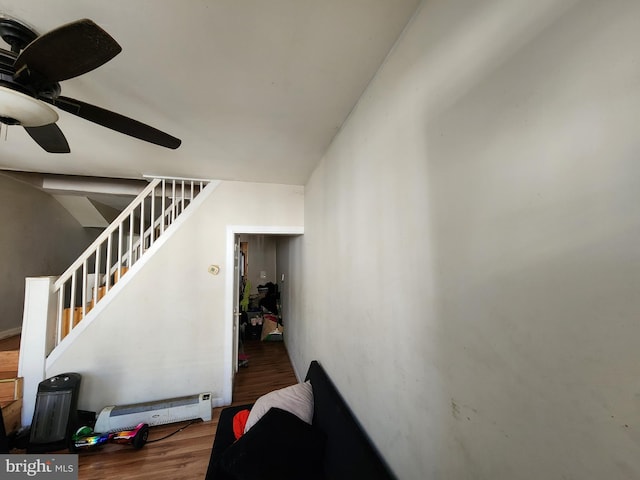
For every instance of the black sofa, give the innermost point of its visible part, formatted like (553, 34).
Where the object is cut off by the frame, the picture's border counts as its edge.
(344, 450)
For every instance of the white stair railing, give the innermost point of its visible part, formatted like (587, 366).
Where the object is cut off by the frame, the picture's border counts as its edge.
(119, 247)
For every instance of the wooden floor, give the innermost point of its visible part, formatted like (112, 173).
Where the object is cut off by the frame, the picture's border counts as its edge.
(185, 455)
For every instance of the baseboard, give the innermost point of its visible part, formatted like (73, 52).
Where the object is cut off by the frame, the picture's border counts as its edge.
(296, 372)
(12, 332)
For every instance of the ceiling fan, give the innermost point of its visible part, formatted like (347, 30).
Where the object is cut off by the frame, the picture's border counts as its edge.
(31, 71)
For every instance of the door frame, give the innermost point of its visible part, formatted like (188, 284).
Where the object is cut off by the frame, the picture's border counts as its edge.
(231, 320)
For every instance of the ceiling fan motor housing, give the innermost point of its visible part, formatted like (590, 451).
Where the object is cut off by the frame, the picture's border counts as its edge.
(17, 34)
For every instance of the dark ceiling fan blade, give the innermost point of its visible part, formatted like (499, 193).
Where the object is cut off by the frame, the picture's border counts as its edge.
(115, 121)
(49, 137)
(67, 51)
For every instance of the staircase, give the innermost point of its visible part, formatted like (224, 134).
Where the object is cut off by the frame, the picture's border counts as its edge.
(58, 309)
(89, 279)
(10, 386)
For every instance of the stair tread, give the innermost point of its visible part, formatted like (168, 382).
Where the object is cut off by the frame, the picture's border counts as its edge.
(9, 353)
(10, 389)
(6, 403)
(10, 343)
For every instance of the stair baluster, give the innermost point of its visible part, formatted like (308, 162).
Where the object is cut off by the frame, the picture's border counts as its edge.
(106, 270)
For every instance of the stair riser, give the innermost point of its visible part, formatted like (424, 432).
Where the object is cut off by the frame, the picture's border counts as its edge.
(9, 361)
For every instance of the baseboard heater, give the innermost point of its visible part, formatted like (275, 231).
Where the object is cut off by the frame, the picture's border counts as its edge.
(158, 412)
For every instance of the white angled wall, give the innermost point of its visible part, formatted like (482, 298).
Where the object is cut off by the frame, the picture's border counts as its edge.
(471, 257)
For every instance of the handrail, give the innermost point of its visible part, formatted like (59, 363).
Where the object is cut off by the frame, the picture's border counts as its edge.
(90, 250)
(109, 254)
(134, 247)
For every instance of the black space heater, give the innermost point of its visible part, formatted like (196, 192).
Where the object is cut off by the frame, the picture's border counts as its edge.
(55, 417)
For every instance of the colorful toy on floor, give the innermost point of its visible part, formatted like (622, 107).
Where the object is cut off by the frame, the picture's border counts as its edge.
(85, 437)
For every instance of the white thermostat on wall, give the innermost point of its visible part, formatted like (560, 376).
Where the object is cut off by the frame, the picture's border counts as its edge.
(214, 269)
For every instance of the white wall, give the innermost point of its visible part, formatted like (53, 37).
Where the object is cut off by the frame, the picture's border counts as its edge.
(289, 263)
(37, 237)
(164, 334)
(261, 253)
(472, 245)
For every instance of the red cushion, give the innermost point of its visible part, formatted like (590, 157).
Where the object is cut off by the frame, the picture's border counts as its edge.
(239, 421)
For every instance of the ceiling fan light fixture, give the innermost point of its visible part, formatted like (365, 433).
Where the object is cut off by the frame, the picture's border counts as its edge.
(19, 109)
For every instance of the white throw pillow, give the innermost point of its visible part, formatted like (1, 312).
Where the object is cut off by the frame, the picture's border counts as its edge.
(296, 399)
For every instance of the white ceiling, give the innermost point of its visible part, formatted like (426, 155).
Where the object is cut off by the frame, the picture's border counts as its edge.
(255, 89)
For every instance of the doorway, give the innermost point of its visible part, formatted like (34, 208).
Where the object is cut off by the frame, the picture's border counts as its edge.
(259, 264)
